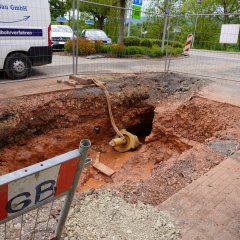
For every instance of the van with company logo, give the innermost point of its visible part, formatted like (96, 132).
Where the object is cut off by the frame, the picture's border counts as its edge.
(25, 39)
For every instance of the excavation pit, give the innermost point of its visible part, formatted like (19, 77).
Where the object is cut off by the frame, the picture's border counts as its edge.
(181, 133)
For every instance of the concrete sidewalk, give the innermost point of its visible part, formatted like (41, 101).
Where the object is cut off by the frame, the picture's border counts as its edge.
(209, 208)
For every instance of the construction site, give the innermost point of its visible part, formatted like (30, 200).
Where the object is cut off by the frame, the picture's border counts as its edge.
(119, 120)
(183, 132)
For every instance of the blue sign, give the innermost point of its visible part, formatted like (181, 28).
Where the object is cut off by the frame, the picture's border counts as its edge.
(90, 22)
(16, 32)
(61, 19)
(138, 2)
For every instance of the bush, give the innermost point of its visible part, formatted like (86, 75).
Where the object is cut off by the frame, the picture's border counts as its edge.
(118, 50)
(176, 51)
(156, 42)
(105, 49)
(156, 52)
(133, 50)
(176, 44)
(98, 46)
(68, 46)
(85, 47)
(146, 43)
(132, 41)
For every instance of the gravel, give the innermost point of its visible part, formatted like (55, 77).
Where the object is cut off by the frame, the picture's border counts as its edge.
(104, 215)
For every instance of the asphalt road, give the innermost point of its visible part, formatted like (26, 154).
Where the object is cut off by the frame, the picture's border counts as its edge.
(200, 62)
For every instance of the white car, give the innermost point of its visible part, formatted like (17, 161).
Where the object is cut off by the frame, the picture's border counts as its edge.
(96, 35)
(60, 34)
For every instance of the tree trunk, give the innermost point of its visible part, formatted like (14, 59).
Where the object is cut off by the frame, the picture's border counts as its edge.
(100, 22)
(122, 20)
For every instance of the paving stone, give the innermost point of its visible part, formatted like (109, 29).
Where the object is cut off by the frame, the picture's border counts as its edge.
(208, 208)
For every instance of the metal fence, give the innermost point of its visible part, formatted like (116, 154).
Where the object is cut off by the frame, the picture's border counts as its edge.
(208, 57)
(35, 201)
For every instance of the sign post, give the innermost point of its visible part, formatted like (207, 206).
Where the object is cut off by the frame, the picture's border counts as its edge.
(136, 9)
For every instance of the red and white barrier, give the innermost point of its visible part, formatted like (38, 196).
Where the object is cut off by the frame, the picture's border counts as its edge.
(188, 44)
(31, 190)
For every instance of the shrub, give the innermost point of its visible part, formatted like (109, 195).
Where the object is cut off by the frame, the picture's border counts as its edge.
(156, 42)
(133, 50)
(118, 50)
(146, 43)
(98, 46)
(105, 49)
(155, 51)
(176, 51)
(68, 46)
(146, 51)
(176, 44)
(85, 47)
(132, 41)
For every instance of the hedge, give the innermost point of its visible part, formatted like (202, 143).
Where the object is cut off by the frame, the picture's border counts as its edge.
(146, 43)
(87, 47)
(132, 41)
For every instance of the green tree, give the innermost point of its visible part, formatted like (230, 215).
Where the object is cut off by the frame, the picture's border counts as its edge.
(208, 27)
(100, 13)
(57, 8)
(104, 14)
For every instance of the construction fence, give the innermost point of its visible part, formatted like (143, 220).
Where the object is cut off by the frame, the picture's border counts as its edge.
(154, 42)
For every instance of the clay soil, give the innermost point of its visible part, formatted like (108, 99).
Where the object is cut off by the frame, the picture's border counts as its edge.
(183, 135)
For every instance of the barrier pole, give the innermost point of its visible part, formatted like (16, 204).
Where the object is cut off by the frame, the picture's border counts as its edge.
(83, 148)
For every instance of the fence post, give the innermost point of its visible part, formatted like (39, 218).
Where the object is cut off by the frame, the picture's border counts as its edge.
(84, 146)
(195, 29)
(167, 11)
(78, 14)
(130, 20)
(73, 40)
(174, 38)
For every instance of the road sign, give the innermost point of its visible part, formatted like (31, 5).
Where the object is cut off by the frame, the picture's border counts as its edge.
(29, 188)
(136, 14)
(90, 22)
(138, 2)
(229, 33)
(61, 19)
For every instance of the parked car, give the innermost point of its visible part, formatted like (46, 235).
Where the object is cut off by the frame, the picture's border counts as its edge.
(24, 36)
(60, 34)
(96, 35)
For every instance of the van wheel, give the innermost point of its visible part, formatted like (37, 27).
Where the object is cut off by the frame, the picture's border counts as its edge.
(18, 66)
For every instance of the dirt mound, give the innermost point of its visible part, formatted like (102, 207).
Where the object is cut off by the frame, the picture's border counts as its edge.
(197, 119)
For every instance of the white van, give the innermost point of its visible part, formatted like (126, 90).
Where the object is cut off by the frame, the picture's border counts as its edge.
(24, 36)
